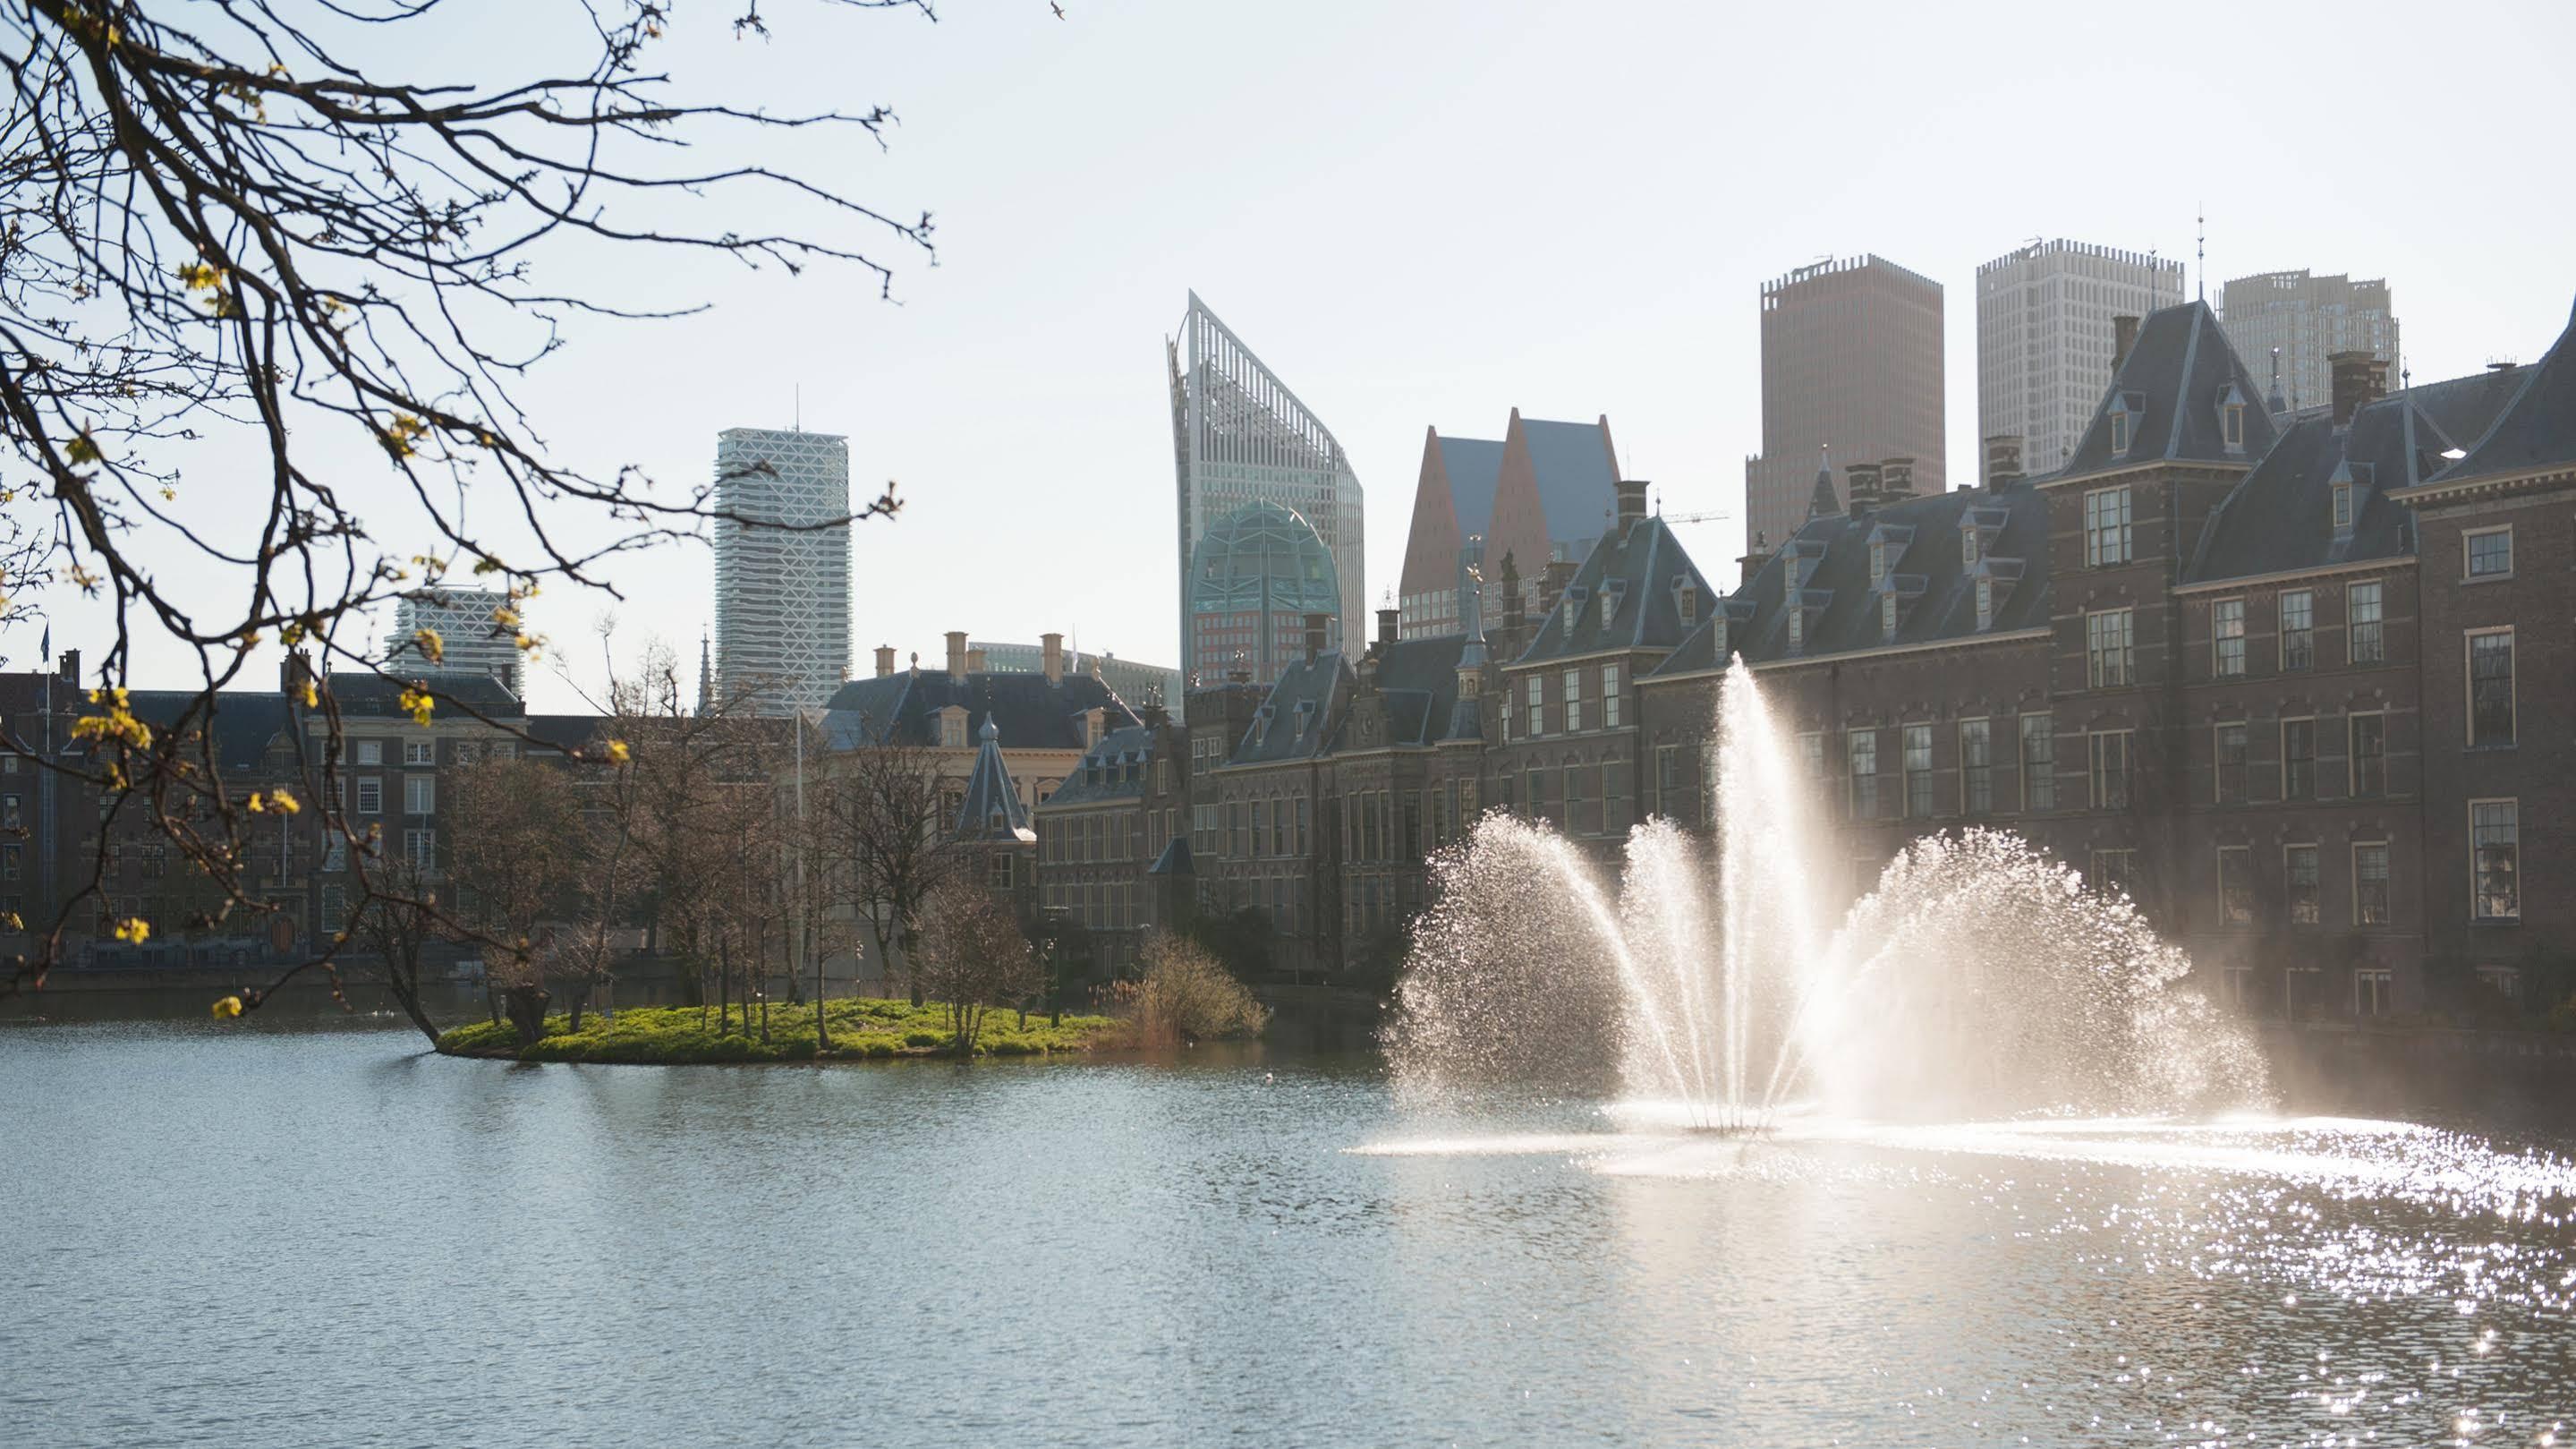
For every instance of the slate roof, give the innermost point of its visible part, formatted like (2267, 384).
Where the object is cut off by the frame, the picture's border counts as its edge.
(565, 732)
(1641, 570)
(1297, 719)
(1416, 683)
(245, 721)
(2172, 384)
(1826, 564)
(992, 809)
(1031, 712)
(373, 695)
(2537, 429)
(1578, 484)
(1114, 769)
(2280, 518)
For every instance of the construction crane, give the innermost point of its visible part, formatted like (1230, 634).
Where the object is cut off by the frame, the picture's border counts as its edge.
(1697, 517)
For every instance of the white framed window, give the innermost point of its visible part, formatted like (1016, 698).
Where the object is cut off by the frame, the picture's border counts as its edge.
(2370, 883)
(1916, 744)
(1976, 767)
(1887, 613)
(420, 794)
(2366, 750)
(420, 752)
(2108, 533)
(1877, 558)
(1573, 700)
(1536, 689)
(2363, 642)
(1797, 627)
(2229, 756)
(2110, 648)
(2298, 759)
(2487, 553)
(2495, 860)
(2298, 612)
(2119, 430)
(2107, 762)
(2300, 883)
(2231, 423)
(1862, 752)
(420, 847)
(2490, 686)
(2343, 508)
(2227, 638)
(371, 795)
(371, 752)
(1970, 542)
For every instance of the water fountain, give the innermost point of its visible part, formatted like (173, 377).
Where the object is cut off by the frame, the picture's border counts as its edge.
(1977, 978)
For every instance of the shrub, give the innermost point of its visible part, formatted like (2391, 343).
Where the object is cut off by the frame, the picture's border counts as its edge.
(1187, 996)
(924, 1039)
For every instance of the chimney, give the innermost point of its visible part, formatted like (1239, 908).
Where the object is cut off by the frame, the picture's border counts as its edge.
(885, 660)
(2124, 335)
(292, 671)
(1754, 558)
(70, 670)
(957, 654)
(1551, 585)
(1862, 489)
(1514, 607)
(2360, 379)
(1632, 504)
(1895, 481)
(974, 661)
(1315, 626)
(2003, 460)
(1051, 657)
(1389, 627)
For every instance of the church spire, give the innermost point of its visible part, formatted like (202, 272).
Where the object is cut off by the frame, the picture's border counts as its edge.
(1821, 503)
(706, 677)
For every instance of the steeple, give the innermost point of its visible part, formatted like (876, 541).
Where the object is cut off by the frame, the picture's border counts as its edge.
(2272, 400)
(706, 678)
(992, 809)
(1822, 504)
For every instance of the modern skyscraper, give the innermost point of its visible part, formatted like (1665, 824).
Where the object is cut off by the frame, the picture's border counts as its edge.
(1544, 494)
(1851, 361)
(472, 640)
(782, 592)
(1258, 574)
(2310, 318)
(2044, 338)
(1239, 437)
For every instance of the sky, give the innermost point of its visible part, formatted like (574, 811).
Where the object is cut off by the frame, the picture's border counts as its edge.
(1431, 212)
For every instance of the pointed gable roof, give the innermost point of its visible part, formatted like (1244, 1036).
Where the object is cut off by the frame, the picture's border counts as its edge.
(1454, 499)
(1555, 488)
(992, 809)
(2537, 429)
(2172, 385)
(1638, 574)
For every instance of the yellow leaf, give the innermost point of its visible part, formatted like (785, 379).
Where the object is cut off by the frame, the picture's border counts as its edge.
(228, 1006)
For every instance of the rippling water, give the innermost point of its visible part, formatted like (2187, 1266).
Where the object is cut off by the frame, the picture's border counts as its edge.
(320, 1237)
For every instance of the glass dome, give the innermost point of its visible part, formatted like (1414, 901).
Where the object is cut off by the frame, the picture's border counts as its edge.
(1263, 558)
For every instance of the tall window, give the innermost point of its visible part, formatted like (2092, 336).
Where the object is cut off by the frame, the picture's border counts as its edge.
(1797, 624)
(1863, 747)
(2298, 629)
(2111, 871)
(2107, 533)
(1918, 770)
(2110, 648)
(2489, 552)
(420, 847)
(2231, 424)
(2370, 883)
(2299, 878)
(1536, 689)
(1976, 767)
(1668, 778)
(2373, 993)
(2038, 762)
(1813, 748)
(2231, 763)
(1534, 781)
(2367, 747)
(2491, 687)
(2109, 768)
(2236, 885)
(1985, 601)
(1887, 614)
(2227, 638)
(420, 794)
(2342, 507)
(2298, 759)
(2362, 641)
(1261, 838)
(1573, 797)
(1573, 700)
(1610, 696)
(2495, 846)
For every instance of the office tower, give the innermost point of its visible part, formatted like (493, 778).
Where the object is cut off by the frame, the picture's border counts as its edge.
(1851, 362)
(2044, 338)
(472, 639)
(782, 592)
(1543, 494)
(1240, 437)
(1256, 575)
(2310, 319)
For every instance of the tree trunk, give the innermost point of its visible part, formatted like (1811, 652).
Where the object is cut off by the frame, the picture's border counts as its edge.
(527, 1006)
(491, 998)
(822, 1030)
(405, 986)
(580, 994)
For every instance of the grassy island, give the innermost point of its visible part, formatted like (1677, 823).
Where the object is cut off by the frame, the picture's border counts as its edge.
(860, 1028)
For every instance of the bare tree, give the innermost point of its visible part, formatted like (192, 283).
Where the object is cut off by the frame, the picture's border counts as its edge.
(225, 234)
(398, 923)
(512, 831)
(973, 957)
(890, 834)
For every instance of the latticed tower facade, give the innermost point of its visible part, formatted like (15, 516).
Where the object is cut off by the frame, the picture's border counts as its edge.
(782, 592)
(474, 641)
(1240, 437)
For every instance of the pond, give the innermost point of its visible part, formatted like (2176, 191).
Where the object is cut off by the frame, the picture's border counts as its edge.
(283, 1233)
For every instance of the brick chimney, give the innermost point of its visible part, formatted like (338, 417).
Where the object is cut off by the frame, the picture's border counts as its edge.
(975, 661)
(1754, 558)
(2360, 379)
(885, 660)
(1315, 627)
(957, 654)
(1551, 585)
(292, 671)
(70, 667)
(2124, 335)
(1861, 489)
(1515, 608)
(2003, 460)
(1051, 657)
(1895, 481)
(1632, 504)
(1390, 626)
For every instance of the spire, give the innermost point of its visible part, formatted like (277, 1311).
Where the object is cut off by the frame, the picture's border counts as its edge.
(1822, 504)
(2272, 401)
(706, 678)
(992, 809)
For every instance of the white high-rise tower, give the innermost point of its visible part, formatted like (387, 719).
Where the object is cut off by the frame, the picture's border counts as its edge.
(475, 642)
(783, 592)
(1240, 437)
(2044, 338)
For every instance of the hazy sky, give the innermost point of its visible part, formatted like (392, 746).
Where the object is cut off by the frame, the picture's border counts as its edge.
(1432, 211)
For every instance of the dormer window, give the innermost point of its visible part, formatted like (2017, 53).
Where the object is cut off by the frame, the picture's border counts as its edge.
(952, 728)
(1305, 716)
(1717, 632)
(1686, 602)
(2343, 508)
(2123, 424)
(2231, 418)
(1797, 626)
(1609, 606)
(1877, 558)
(1985, 604)
(1572, 609)
(1968, 545)
(1887, 614)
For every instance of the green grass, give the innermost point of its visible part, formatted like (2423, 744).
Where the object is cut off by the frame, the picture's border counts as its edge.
(860, 1027)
